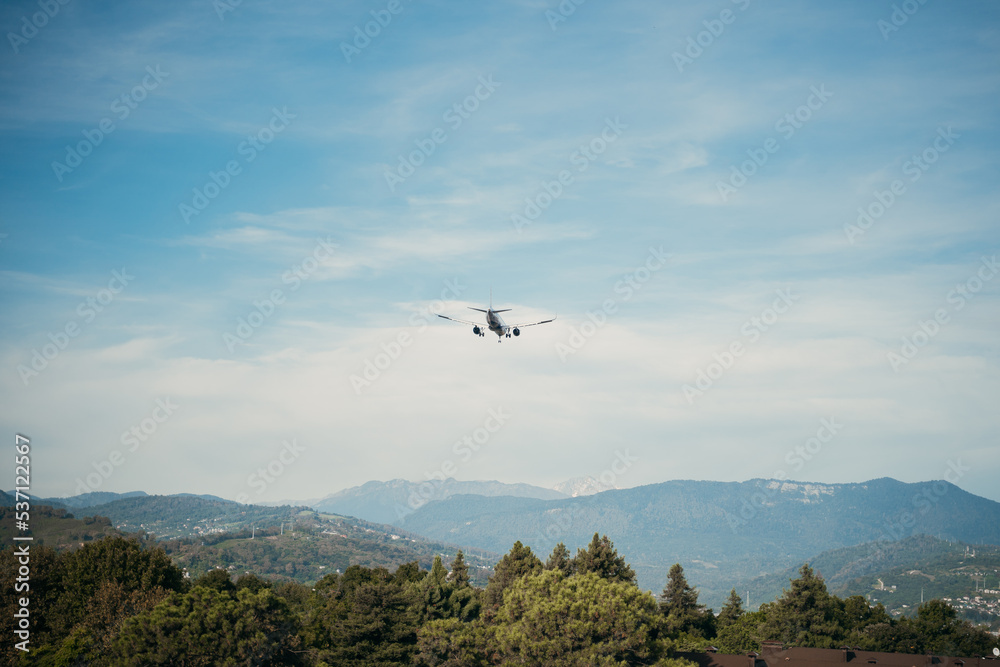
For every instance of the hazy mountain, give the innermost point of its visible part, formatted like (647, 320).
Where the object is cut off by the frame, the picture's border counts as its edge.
(184, 515)
(723, 533)
(388, 502)
(287, 543)
(582, 486)
(88, 499)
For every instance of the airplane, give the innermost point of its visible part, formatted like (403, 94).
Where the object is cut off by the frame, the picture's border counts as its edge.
(495, 323)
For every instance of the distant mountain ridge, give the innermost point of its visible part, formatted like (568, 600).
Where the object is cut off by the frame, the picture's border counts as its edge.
(582, 486)
(721, 532)
(389, 502)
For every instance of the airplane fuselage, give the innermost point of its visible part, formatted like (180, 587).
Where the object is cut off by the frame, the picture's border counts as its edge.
(497, 324)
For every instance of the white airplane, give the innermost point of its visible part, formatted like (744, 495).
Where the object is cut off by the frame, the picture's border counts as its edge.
(495, 323)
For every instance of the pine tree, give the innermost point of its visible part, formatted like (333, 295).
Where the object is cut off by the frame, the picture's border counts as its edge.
(514, 565)
(459, 575)
(731, 611)
(602, 558)
(438, 573)
(679, 604)
(560, 560)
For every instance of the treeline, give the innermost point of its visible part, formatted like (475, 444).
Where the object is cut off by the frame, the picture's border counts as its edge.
(117, 601)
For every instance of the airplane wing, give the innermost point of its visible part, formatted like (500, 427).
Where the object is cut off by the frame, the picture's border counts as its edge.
(519, 326)
(475, 324)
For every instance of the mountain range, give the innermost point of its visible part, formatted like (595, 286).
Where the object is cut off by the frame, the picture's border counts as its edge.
(750, 535)
(724, 534)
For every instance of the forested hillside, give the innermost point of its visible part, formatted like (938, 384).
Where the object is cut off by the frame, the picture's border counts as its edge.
(117, 601)
(722, 532)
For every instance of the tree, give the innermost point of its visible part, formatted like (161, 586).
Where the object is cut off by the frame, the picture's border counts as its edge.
(601, 558)
(560, 560)
(937, 629)
(459, 575)
(679, 605)
(548, 618)
(409, 572)
(806, 614)
(742, 635)
(518, 562)
(365, 616)
(731, 611)
(210, 627)
(216, 579)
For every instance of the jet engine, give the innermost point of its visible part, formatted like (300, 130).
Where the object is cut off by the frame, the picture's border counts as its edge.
(477, 331)
(517, 332)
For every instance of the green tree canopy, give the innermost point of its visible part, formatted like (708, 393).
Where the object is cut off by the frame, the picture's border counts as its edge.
(459, 575)
(210, 627)
(560, 560)
(518, 562)
(601, 558)
(731, 611)
(679, 605)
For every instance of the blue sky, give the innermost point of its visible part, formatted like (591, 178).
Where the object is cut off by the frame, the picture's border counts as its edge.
(230, 163)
